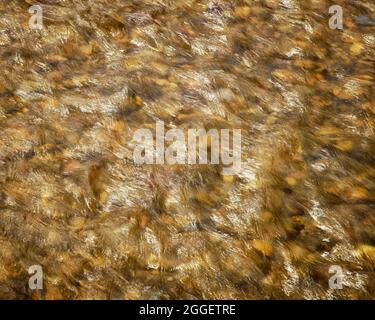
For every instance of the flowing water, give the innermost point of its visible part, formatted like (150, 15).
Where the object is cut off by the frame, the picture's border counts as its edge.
(72, 201)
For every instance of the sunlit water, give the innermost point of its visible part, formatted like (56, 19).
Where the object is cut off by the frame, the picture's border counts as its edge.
(71, 200)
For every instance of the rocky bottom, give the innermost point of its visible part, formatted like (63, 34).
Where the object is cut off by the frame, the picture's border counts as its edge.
(72, 201)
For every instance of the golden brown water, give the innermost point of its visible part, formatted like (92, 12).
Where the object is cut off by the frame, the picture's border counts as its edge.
(72, 201)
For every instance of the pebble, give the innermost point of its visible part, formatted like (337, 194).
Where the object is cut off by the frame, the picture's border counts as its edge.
(242, 12)
(263, 247)
(356, 48)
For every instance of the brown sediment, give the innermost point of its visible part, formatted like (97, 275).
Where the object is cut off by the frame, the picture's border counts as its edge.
(71, 199)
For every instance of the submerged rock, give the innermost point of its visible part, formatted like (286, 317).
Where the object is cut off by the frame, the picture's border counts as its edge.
(73, 200)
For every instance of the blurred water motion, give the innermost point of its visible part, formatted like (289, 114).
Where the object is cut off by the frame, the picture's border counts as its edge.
(73, 94)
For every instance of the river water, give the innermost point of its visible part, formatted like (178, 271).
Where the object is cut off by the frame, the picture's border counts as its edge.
(299, 212)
